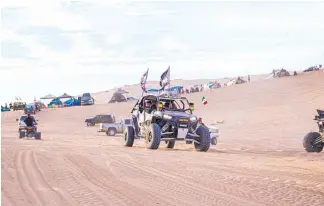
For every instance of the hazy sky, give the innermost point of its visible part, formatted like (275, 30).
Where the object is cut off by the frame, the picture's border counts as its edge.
(81, 46)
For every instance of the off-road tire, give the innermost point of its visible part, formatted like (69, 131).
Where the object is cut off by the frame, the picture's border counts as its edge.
(38, 135)
(129, 135)
(111, 132)
(308, 142)
(170, 144)
(22, 134)
(204, 139)
(153, 138)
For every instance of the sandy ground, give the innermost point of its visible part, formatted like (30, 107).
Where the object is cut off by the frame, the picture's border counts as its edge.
(259, 159)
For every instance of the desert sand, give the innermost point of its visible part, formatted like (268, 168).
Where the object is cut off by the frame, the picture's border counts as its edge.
(259, 159)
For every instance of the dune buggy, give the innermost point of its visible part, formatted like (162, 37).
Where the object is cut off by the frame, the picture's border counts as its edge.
(167, 119)
(314, 141)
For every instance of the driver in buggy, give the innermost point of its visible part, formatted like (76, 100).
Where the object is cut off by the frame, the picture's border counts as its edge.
(150, 107)
(30, 121)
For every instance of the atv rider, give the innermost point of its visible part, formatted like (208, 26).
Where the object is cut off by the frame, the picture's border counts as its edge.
(30, 121)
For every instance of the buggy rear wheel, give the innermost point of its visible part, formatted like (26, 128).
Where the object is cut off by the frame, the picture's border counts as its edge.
(170, 144)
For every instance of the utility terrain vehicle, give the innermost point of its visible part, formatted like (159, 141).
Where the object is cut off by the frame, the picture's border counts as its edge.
(167, 119)
(314, 141)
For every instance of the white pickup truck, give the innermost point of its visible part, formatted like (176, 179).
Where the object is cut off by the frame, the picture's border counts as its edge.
(112, 129)
(214, 133)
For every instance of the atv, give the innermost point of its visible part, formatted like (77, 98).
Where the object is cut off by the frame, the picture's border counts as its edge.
(166, 119)
(314, 141)
(30, 132)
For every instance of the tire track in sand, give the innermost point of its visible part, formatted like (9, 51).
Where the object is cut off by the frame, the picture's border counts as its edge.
(123, 193)
(33, 183)
(183, 186)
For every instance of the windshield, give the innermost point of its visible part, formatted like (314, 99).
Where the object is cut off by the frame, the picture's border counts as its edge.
(174, 104)
(86, 95)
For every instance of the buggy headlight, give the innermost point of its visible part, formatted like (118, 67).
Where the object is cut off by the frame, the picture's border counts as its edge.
(193, 119)
(166, 116)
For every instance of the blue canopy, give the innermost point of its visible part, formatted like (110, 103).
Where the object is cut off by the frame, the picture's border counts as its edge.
(174, 88)
(55, 101)
(72, 102)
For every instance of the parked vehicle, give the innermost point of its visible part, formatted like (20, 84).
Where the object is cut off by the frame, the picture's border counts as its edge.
(101, 118)
(18, 106)
(112, 129)
(214, 133)
(87, 99)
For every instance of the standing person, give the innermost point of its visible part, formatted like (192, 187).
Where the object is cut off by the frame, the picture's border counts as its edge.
(249, 78)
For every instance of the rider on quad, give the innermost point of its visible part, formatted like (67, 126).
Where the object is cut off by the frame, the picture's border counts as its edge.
(30, 121)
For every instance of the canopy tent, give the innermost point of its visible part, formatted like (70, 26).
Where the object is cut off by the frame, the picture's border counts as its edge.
(72, 102)
(49, 96)
(176, 88)
(118, 97)
(55, 101)
(65, 95)
(121, 91)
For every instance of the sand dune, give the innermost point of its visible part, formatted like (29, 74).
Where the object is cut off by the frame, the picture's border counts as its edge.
(259, 159)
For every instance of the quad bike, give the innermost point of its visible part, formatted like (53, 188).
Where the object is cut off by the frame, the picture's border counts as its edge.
(314, 141)
(30, 132)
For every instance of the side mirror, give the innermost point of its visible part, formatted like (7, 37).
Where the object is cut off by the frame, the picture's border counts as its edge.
(192, 106)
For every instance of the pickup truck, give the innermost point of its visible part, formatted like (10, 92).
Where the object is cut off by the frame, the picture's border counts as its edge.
(112, 129)
(214, 133)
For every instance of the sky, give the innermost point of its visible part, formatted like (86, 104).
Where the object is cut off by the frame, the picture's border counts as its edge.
(93, 45)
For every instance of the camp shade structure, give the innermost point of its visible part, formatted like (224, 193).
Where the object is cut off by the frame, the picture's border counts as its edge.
(49, 96)
(65, 95)
(174, 88)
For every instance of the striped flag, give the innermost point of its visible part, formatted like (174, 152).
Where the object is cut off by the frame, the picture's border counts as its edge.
(165, 78)
(143, 80)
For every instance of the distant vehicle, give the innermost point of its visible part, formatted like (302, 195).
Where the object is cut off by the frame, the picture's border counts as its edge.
(101, 118)
(21, 123)
(214, 133)
(5, 109)
(30, 109)
(314, 141)
(18, 106)
(112, 129)
(87, 99)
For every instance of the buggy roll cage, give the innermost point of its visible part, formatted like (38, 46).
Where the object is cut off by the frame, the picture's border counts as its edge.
(157, 99)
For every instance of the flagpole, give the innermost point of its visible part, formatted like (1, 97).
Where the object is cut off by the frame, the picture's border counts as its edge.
(145, 82)
(169, 81)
